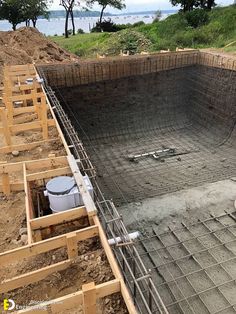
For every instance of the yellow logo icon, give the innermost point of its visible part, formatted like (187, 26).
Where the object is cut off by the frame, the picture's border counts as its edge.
(8, 304)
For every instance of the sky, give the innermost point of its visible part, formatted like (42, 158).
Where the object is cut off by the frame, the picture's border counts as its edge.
(141, 5)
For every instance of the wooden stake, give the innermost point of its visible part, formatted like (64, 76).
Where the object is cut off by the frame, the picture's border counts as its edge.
(89, 298)
(71, 241)
(6, 184)
(6, 129)
(44, 118)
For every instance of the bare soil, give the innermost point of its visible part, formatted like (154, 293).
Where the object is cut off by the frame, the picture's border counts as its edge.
(12, 212)
(89, 267)
(27, 45)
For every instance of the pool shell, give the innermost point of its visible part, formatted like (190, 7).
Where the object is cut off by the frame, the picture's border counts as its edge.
(181, 101)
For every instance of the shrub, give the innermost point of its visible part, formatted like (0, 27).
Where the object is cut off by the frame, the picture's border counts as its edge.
(137, 24)
(80, 31)
(126, 40)
(109, 27)
(197, 18)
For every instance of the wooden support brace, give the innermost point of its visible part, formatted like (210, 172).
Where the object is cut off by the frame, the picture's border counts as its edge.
(44, 118)
(45, 246)
(72, 249)
(27, 146)
(89, 298)
(71, 301)
(6, 129)
(49, 174)
(6, 184)
(58, 218)
(37, 235)
(34, 276)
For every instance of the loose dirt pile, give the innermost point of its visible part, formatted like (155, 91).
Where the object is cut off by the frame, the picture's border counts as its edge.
(27, 45)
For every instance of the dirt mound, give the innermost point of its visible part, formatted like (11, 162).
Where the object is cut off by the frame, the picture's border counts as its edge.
(28, 45)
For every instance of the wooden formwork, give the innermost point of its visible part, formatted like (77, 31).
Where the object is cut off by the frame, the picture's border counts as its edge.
(25, 107)
(42, 170)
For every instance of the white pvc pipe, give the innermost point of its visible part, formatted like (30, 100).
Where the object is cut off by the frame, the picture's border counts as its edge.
(132, 236)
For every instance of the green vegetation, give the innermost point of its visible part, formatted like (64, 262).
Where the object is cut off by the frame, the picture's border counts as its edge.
(83, 44)
(179, 30)
(195, 29)
(16, 11)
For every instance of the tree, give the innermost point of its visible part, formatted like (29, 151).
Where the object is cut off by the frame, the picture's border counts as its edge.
(189, 5)
(13, 11)
(35, 8)
(186, 5)
(117, 4)
(69, 6)
(17, 11)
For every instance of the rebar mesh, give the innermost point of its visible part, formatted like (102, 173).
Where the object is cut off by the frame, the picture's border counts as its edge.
(191, 109)
(141, 107)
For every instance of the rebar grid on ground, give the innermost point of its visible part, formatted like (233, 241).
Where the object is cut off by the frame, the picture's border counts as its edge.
(137, 277)
(198, 274)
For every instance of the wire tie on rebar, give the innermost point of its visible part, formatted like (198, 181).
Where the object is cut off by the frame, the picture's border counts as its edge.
(114, 219)
(143, 277)
(124, 243)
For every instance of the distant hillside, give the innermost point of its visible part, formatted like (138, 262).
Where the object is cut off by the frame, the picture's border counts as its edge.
(197, 29)
(77, 13)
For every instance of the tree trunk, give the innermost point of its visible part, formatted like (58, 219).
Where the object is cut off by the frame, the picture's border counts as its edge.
(34, 21)
(72, 20)
(101, 14)
(210, 4)
(14, 27)
(66, 23)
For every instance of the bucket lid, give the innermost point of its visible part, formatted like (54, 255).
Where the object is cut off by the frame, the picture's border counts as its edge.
(60, 185)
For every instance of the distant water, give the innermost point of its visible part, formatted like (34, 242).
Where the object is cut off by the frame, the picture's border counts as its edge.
(56, 25)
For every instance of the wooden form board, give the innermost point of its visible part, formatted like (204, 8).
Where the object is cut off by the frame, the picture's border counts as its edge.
(78, 299)
(55, 166)
(17, 91)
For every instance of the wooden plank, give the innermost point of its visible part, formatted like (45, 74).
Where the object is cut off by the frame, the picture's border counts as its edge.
(21, 110)
(6, 129)
(27, 146)
(25, 119)
(6, 184)
(28, 208)
(47, 163)
(34, 276)
(26, 87)
(89, 298)
(87, 199)
(48, 174)
(21, 97)
(58, 218)
(45, 245)
(30, 126)
(20, 67)
(72, 248)
(31, 165)
(73, 300)
(16, 186)
(44, 118)
(115, 268)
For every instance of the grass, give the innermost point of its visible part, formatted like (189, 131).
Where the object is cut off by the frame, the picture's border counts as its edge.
(83, 45)
(217, 29)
